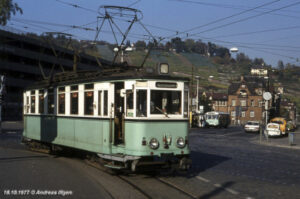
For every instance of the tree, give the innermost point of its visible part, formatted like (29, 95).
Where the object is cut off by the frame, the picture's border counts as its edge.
(259, 61)
(190, 45)
(280, 65)
(168, 46)
(200, 47)
(178, 44)
(7, 7)
(212, 49)
(242, 58)
(140, 44)
(128, 43)
(222, 52)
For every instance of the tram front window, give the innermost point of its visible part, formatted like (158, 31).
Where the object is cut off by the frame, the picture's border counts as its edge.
(141, 103)
(165, 102)
(212, 117)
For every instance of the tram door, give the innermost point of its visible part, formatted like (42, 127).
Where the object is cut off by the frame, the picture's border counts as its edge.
(119, 114)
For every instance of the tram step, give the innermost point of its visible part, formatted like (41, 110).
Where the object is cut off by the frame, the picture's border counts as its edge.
(114, 166)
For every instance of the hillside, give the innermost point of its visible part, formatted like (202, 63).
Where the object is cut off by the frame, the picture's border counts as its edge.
(212, 76)
(186, 64)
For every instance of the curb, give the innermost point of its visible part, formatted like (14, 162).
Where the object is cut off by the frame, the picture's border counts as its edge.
(276, 145)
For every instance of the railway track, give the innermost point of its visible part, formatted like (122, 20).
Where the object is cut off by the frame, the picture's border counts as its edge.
(148, 186)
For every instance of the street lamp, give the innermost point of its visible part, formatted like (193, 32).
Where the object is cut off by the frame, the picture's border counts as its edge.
(234, 50)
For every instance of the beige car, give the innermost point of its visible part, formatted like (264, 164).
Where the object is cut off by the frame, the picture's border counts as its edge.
(273, 129)
(252, 126)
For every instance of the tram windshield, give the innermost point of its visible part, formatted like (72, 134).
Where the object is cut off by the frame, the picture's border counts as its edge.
(165, 102)
(212, 117)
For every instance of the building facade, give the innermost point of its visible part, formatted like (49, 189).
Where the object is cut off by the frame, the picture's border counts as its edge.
(25, 59)
(245, 102)
(219, 101)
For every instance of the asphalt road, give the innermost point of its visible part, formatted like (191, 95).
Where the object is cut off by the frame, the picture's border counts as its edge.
(234, 158)
(25, 174)
(227, 163)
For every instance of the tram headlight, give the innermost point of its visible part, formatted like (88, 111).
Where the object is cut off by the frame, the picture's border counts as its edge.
(180, 142)
(154, 144)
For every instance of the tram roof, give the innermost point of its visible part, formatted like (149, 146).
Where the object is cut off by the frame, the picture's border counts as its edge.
(114, 74)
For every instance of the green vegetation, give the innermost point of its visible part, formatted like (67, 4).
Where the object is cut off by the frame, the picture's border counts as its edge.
(7, 7)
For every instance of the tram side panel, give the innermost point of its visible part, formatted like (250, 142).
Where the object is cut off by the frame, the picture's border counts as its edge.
(86, 134)
(89, 134)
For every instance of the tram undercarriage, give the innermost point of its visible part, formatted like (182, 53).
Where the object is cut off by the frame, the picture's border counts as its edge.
(116, 161)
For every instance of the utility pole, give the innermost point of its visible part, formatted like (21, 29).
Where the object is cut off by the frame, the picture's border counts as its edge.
(197, 97)
(1, 98)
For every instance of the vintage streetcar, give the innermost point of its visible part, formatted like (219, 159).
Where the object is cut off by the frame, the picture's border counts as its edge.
(217, 119)
(129, 117)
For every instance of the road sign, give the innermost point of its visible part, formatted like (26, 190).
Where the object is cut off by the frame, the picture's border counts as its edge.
(267, 96)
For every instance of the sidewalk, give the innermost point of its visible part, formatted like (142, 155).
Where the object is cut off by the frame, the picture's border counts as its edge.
(12, 125)
(288, 141)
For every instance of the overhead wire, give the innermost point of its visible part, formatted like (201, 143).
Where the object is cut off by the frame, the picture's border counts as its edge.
(55, 24)
(260, 31)
(223, 18)
(77, 6)
(132, 4)
(246, 18)
(237, 7)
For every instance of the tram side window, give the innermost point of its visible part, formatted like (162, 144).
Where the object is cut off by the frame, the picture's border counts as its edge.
(50, 101)
(89, 100)
(27, 104)
(105, 103)
(165, 102)
(186, 103)
(32, 107)
(61, 100)
(99, 102)
(129, 103)
(74, 100)
(41, 101)
(141, 103)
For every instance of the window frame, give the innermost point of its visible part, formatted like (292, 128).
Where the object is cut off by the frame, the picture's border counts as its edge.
(233, 102)
(87, 89)
(39, 101)
(73, 91)
(33, 106)
(60, 92)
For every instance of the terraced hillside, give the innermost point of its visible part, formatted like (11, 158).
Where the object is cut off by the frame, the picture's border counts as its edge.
(212, 76)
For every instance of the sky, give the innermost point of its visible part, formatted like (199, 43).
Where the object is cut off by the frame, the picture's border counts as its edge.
(268, 29)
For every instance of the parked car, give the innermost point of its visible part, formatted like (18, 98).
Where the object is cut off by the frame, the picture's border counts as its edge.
(273, 129)
(282, 124)
(252, 126)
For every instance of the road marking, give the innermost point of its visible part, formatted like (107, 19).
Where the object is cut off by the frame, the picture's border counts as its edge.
(202, 179)
(218, 185)
(230, 134)
(11, 132)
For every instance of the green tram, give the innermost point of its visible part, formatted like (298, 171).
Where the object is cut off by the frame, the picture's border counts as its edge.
(129, 118)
